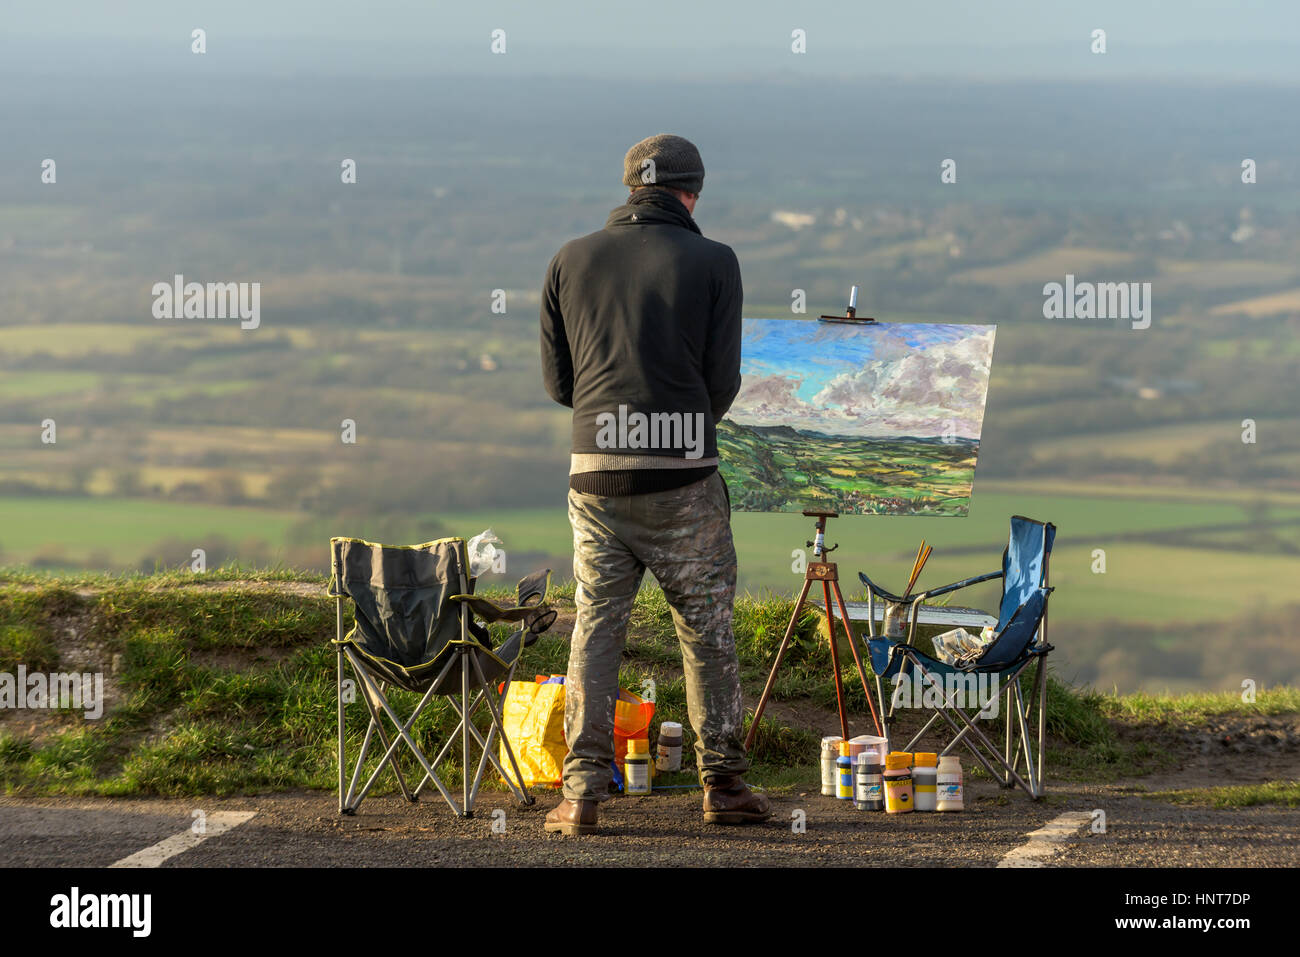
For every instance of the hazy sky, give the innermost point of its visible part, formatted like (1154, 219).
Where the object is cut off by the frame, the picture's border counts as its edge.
(1178, 39)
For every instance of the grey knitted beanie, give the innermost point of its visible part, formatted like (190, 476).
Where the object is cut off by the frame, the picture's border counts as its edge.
(664, 160)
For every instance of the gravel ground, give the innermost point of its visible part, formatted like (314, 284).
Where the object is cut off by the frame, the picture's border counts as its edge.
(662, 830)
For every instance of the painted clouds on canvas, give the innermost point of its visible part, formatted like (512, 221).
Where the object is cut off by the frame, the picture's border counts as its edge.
(880, 418)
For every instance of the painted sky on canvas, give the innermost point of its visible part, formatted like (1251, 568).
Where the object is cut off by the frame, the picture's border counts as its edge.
(884, 380)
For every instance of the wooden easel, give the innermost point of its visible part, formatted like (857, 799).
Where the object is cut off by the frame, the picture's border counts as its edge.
(828, 574)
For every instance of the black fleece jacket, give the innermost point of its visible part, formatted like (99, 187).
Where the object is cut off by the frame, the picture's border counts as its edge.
(645, 314)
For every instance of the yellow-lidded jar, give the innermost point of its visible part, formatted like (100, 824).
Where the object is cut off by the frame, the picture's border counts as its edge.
(898, 782)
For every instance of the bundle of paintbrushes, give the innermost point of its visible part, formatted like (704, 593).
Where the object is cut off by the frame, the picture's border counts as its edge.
(922, 556)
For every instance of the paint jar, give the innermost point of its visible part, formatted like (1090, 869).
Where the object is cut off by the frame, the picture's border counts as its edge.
(898, 782)
(669, 756)
(830, 774)
(636, 767)
(895, 621)
(925, 780)
(949, 795)
(844, 773)
(868, 782)
(864, 741)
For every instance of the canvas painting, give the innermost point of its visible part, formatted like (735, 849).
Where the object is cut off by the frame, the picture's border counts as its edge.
(867, 419)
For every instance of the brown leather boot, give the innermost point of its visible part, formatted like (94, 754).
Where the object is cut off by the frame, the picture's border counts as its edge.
(572, 818)
(728, 801)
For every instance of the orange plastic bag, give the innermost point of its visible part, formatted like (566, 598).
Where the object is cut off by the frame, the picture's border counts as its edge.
(632, 717)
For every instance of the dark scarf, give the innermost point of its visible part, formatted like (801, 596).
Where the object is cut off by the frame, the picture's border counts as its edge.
(662, 199)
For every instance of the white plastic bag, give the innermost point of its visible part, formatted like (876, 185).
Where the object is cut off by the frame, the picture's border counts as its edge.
(959, 645)
(483, 549)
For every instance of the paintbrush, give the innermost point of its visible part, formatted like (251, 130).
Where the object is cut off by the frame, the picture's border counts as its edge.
(916, 570)
(915, 562)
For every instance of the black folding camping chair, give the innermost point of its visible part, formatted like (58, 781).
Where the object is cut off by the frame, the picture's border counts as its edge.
(416, 629)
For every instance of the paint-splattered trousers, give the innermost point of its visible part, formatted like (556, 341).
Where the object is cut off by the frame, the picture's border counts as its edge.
(683, 536)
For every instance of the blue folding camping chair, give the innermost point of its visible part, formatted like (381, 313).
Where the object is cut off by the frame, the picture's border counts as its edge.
(1019, 639)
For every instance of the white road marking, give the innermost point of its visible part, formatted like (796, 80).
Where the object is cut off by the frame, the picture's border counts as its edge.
(1045, 841)
(216, 824)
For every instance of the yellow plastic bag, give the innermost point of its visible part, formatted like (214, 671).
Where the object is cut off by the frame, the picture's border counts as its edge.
(533, 722)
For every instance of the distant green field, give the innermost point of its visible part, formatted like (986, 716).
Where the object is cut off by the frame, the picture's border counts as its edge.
(27, 385)
(124, 528)
(1143, 582)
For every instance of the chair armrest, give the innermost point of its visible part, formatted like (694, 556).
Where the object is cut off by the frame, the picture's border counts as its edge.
(917, 602)
(535, 618)
(874, 589)
(964, 583)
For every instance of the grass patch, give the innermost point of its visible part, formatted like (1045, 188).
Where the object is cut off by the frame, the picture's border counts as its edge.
(228, 688)
(1284, 793)
(25, 635)
(1197, 707)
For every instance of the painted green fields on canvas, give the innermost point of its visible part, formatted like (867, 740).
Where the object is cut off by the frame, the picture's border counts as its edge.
(780, 469)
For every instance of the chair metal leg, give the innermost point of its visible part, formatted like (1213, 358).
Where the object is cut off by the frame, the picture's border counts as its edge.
(1021, 719)
(467, 811)
(445, 750)
(991, 746)
(392, 761)
(338, 693)
(403, 731)
(498, 724)
(390, 748)
(1007, 771)
(1017, 753)
(993, 771)
(461, 727)
(880, 697)
(1006, 754)
(947, 703)
(351, 802)
(1042, 721)
(924, 728)
(442, 675)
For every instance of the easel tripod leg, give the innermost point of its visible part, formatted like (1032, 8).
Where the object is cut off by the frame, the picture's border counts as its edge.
(835, 660)
(857, 657)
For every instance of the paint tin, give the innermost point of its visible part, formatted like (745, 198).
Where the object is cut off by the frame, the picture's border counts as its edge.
(949, 796)
(830, 774)
(868, 783)
(669, 751)
(844, 773)
(925, 780)
(636, 767)
(865, 742)
(895, 621)
(898, 782)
